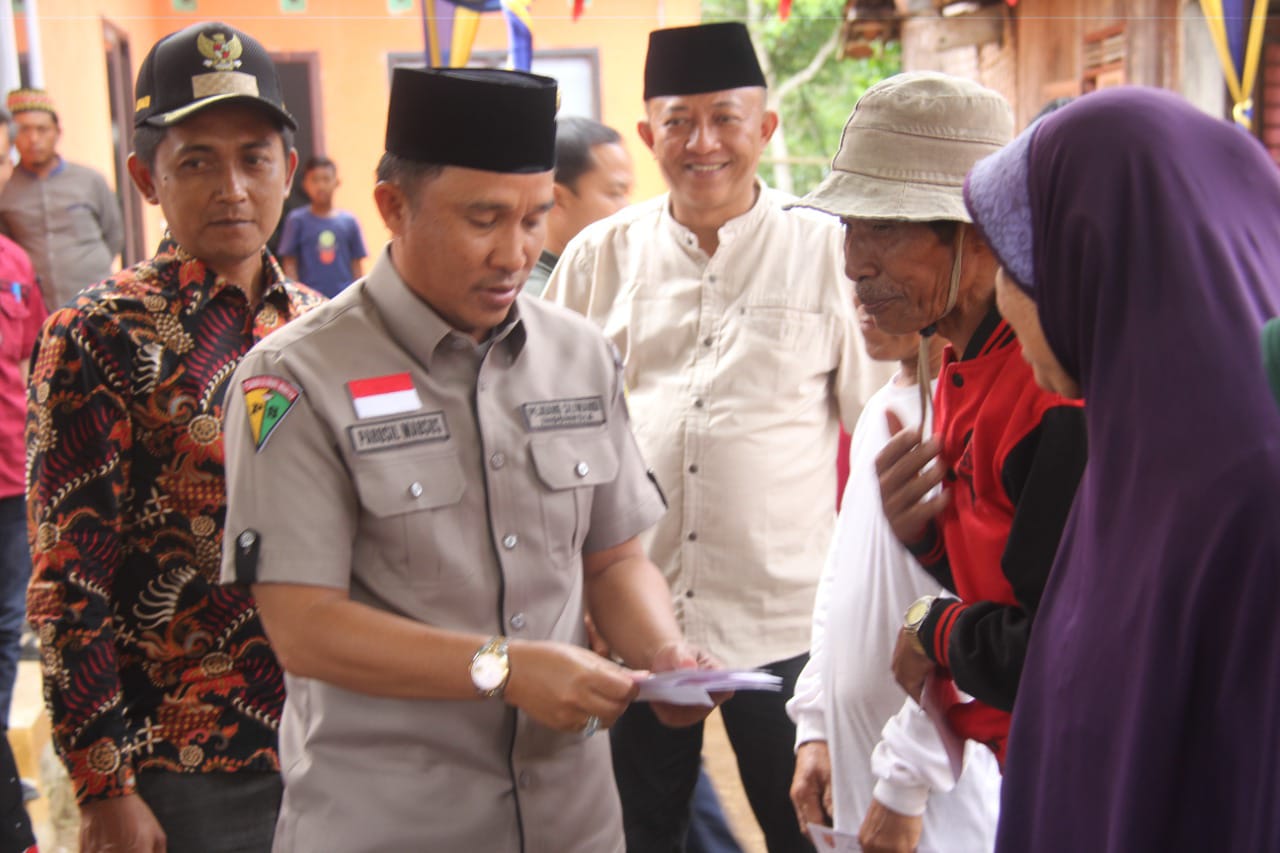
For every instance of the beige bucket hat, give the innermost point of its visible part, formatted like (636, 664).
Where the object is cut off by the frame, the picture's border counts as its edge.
(907, 147)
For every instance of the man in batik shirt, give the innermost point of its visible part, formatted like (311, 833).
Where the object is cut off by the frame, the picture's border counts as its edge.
(164, 693)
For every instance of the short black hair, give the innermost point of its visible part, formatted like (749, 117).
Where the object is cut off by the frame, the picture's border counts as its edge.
(408, 175)
(575, 137)
(147, 138)
(318, 161)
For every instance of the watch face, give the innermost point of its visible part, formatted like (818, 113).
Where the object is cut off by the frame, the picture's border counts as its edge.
(488, 671)
(917, 611)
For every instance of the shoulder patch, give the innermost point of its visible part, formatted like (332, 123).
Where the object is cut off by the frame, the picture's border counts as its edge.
(267, 399)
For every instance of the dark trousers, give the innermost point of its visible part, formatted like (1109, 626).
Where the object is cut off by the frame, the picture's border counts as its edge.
(214, 812)
(15, 828)
(709, 832)
(657, 768)
(15, 572)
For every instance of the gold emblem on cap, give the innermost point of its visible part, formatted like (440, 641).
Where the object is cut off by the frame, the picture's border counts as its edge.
(219, 53)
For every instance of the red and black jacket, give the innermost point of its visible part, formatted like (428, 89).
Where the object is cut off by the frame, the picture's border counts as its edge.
(1014, 454)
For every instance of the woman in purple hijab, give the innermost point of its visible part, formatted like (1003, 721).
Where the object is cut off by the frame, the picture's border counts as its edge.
(1140, 241)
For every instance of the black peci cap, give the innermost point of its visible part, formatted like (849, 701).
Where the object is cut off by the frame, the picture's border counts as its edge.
(705, 58)
(478, 118)
(203, 65)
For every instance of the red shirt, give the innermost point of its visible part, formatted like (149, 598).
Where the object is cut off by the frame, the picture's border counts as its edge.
(22, 312)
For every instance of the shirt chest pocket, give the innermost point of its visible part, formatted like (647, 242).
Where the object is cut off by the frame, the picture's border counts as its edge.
(411, 503)
(15, 315)
(785, 347)
(570, 466)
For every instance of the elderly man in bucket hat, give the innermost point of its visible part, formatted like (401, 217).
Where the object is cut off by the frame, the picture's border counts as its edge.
(1007, 454)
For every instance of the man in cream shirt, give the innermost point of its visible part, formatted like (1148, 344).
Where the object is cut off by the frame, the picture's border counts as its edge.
(741, 358)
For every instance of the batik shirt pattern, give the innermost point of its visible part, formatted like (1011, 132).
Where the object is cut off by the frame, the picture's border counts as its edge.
(148, 662)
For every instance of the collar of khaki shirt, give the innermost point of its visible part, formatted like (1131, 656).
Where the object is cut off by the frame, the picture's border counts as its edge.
(415, 325)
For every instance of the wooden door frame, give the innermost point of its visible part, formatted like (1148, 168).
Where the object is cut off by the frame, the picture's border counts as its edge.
(120, 65)
(311, 59)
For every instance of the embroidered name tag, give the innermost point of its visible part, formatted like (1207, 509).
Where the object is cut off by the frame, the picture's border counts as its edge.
(398, 432)
(559, 414)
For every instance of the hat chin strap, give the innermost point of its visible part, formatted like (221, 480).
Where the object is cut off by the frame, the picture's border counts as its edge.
(922, 358)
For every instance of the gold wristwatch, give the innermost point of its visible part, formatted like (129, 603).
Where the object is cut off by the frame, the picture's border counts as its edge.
(490, 667)
(915, 617)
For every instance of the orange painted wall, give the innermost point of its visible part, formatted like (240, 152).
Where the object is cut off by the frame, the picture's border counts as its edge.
(353, 39)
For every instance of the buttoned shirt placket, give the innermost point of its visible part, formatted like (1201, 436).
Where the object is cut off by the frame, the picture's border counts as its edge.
(712, 305)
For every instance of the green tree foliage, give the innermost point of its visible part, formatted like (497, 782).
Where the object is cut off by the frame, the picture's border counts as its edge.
(814, 111)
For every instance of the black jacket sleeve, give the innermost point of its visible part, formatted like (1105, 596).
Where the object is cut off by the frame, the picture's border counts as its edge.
(986, 642)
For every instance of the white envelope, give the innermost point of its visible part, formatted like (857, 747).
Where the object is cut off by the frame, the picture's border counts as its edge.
(695, 686)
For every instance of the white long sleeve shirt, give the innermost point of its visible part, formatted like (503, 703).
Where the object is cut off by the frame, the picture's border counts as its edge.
(847, 696)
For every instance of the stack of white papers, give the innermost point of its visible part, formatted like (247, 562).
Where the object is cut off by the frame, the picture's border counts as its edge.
(695, 686)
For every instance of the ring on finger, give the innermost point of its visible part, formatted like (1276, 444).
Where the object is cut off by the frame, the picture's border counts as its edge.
(591, 726)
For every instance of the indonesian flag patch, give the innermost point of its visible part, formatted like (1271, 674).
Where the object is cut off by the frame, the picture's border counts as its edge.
(379, 396)
(267, 400)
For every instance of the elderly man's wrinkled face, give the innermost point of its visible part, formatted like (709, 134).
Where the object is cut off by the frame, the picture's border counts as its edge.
(900, 271)
(1022, 315)
(881, 345)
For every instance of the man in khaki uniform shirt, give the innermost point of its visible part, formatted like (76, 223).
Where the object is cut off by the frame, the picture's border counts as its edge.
(426, 484)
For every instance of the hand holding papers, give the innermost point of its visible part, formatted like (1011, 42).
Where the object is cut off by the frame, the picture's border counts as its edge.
(695, 686)
(828, 840)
